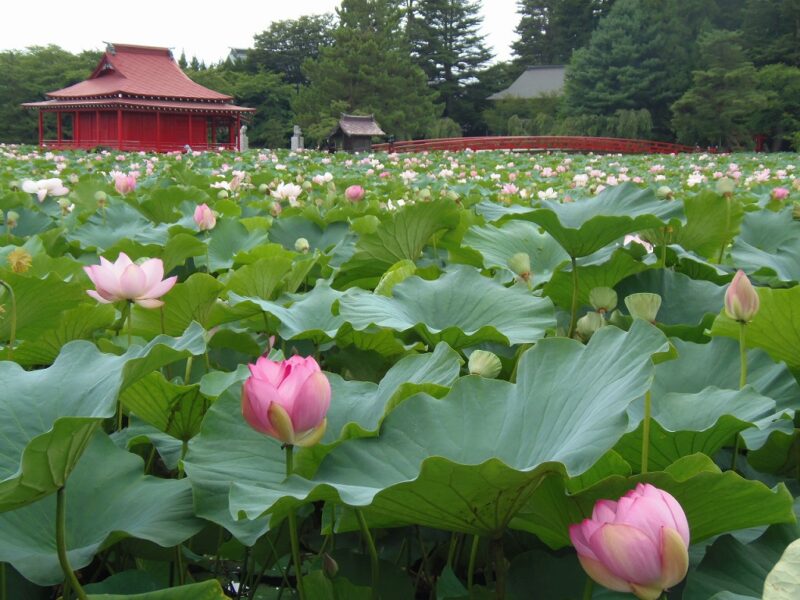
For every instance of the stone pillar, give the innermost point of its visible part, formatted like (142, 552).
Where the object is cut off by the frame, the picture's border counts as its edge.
(297, 139)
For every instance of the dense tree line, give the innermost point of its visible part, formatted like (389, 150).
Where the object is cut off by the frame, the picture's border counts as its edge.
(700, 71)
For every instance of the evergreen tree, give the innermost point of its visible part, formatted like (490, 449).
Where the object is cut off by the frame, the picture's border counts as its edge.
(639, 57)
(367, 70)
(771, 31)
(780, 118)
(182, 61)
(447, 45)
(287, 44)
(550, 30)
(721, 106)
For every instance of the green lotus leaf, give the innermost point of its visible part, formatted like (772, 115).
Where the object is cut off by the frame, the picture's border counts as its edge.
(181, 247)
(50, 414)
(769, 245)
(469, 461)
(714, 502)
(498, 244)
(712, 221)
(684, 301)
(79, 323)
(357, 408)
(227, 239)
(120, 221)
(188, 301)
(401, 236)
(285, 232)
(684, 424)
(775, 329)
(206, 590)
(107, 497)
(40, 304)
(309, 316)
(591, 274)
(736, 567)
(462, 308)
(584, 226)
(260, 279)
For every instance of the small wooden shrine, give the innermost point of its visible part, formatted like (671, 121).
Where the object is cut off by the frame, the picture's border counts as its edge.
(139, 99)
(354, 133)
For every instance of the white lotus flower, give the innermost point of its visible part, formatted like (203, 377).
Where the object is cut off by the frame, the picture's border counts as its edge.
(45, 187)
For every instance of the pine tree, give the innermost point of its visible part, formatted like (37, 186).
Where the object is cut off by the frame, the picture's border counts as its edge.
(446, 43)
(640, 57)
(367, 70)
(771, 31)
(550, 30)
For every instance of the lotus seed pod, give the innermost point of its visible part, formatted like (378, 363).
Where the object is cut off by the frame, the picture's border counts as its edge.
(664, 191)
(589, 323)
(643, 306)
(12, 217)
(263, 188)
(425, 194)
(520, 264)
(100, 196)
(451, 195)
(306, 185)
(222, 194)
(301, 245)
(726, 186)
(796, 211)
(603, 299)
(484, 363)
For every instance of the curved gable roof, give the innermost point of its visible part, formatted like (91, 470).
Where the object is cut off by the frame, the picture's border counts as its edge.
(138, 71)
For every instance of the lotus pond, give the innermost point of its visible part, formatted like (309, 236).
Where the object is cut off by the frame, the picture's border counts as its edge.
(507, 339)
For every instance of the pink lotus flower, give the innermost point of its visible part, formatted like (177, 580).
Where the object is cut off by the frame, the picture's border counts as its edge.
(287, 400)
(638, 544)
(125, 280)
(204, 217)
(124, 184)
(780, 193)
(741, 299)
(354, 193)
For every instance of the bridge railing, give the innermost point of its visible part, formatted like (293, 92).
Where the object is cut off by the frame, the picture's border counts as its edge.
(539, 142)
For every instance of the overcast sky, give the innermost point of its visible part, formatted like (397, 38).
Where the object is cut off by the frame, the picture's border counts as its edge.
(200, 27)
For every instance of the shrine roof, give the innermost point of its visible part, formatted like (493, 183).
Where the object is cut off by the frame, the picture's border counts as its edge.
(138, 71)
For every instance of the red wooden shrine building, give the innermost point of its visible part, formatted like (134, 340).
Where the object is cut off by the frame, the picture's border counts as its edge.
(139, 99)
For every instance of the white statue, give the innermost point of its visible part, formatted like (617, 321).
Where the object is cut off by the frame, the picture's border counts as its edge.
(297, 139)
(244, 144)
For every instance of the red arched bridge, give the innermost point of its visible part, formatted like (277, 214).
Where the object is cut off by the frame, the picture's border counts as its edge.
(538, 142)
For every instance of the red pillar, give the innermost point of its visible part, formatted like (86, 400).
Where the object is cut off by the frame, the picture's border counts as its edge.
(119, 128)
(213, 132)
(158, 131)
(58, 127)
(41, 127)
(76, 130)
(190, 131)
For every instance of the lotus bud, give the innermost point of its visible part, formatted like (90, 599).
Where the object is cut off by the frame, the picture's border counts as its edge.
(222, 194)
(484, 363)
(779, 194)
(520, 264)
(329, 566)
(12, 218)
(603, 299)
(354, 193)
(664, 191)
(301, 245)
(741, 299)
(726, 186)
(589, 323)
(643, 306)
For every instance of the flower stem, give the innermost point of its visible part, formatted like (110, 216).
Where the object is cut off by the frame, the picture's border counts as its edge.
(473, 556)
(742, 356)
(499, 568)
(12, 336)
(574, 311)
(646, 430)
(61, 544)
(295, 541)
(373, 553)
(588, 589)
